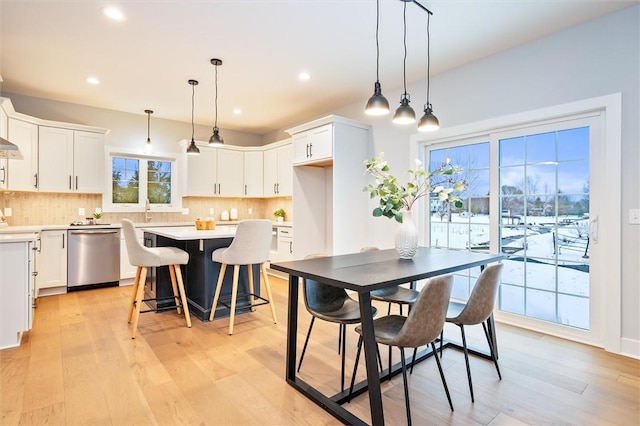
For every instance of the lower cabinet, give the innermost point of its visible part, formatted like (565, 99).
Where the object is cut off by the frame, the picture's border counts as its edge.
(16, 290)
(51, 263)
(285, 244)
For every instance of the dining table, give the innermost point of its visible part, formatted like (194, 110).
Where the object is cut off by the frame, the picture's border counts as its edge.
(362, 273)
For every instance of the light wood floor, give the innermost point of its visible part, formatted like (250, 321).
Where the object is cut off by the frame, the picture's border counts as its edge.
(78, 365)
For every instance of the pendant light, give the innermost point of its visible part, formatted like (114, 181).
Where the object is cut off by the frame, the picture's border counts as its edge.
(192, 149)
(148, 145)
(428, 122)
(404, 114)
(377, 104)
(216, 139)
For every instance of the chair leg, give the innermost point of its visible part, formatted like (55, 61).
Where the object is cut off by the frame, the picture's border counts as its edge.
(234, 296)
(174, 287)
(138, 301)
(306, 341)
(406, 386)
(267, 286)
(444, 381)
(340, 337)
(134, 293)
(251, 293)
(466, 360)
(492, 350)
(216, 294)
(355, 369)
(344, 347)
(441, 339)
(183, 295)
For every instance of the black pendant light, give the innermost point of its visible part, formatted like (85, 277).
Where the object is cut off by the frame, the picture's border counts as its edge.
(428, 122)
(192, 149)
(148, 112)
(216, 139)
(377, 104)
(404, 114)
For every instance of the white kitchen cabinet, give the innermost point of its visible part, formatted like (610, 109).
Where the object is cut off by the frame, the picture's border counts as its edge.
(16, 291)
(127, 270)
(331, 210)
(313, 146)
(23, 174)
(70, 160)
(215, 172)
(253, 173)
(230, 173)
(278, 171)
(4, 122)
(285, 243)
(51, 263)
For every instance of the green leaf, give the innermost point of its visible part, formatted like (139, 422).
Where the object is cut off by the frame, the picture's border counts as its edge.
(377, 212)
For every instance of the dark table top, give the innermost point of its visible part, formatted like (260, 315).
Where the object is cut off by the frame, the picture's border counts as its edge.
(363, 272)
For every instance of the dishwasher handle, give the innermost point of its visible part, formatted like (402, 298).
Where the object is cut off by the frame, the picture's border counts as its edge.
(114, 231)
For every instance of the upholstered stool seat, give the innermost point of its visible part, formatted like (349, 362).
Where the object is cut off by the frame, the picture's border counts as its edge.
(250, 246)
(149, 257)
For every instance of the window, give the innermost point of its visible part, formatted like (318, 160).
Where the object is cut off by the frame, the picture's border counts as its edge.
(134, 179)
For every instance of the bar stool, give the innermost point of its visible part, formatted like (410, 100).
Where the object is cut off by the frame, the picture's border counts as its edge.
(146, 257)
(250, 246)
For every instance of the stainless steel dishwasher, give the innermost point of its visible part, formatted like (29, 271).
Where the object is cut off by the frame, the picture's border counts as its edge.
(93, 259)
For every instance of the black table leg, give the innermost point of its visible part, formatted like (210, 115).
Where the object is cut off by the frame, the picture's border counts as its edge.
(370, 354)
(292, 328)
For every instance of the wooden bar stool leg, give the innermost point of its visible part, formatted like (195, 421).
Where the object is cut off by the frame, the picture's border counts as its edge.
(134, 293)
(172, 273)
(251, 293)
(216, 294)
(139, 295)
(183, 295)
(234, 295)
(265, 278)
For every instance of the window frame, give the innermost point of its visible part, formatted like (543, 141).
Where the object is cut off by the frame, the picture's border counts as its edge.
(107, 200)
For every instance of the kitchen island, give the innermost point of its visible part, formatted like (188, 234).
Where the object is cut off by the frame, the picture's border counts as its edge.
(201, 273)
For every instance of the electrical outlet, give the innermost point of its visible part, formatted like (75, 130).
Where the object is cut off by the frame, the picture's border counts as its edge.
(634, 216)
(8, 212)
(81, 211)
(212, 211)
(98, 210)
(185, 211)
(250, 210)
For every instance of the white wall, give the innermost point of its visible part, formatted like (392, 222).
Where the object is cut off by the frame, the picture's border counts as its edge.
(593, 59)
(126, 129)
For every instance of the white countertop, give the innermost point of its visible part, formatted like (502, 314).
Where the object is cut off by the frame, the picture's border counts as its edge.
(18, 237)
(191, 233)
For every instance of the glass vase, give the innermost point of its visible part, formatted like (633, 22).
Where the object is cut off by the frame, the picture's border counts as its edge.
(406, 236)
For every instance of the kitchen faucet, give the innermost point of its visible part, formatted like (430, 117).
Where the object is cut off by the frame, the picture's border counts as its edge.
(147, 209)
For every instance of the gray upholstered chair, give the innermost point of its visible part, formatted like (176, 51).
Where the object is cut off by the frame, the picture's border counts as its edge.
(250, 246)
(422, 327)
(396, 294)
(477, 311)
(330, 304)
(147, 257)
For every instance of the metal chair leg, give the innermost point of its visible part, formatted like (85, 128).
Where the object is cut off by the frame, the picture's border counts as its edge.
(492, 350)
(406, 386)
(306, 341)
(466, 360)
(444, 381)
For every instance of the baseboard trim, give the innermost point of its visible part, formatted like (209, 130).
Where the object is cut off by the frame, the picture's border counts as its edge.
(630, 348)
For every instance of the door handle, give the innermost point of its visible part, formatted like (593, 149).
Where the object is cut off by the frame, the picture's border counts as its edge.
(4, 174)
(76, 183)
(69, 182)
(36, 178)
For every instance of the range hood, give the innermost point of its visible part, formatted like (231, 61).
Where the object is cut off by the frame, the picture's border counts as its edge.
(9, 150)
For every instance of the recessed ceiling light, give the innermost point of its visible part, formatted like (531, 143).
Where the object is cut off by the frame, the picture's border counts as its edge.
(237, 111)
(114, 13)
(304, 76)
(93, 80)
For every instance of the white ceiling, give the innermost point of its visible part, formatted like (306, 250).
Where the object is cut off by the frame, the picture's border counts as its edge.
(49, 47)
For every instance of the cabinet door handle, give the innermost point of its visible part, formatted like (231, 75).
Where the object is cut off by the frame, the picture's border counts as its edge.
(274, 189)
(310, 150)
(277, 188)
(4, 174)
(290, 247)
(307, 150)
(245, 190)
(69, 182)
(63, 240)
(215, 188)
(36, 178)
(76, 183)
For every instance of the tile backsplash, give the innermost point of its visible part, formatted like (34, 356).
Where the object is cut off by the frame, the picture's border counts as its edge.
(36, 208)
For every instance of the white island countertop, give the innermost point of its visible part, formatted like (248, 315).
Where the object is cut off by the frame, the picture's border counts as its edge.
(18, 237)
(191, 233)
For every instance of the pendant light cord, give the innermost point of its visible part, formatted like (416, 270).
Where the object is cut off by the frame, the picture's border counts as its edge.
(148, 126)
(193, 95)
(428, 58)
(216, 101)
(404, 66)
(377, 43)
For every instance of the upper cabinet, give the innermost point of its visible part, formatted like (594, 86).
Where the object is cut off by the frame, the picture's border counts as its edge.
(70, 160)
(313, 146)
(278, 170)
(215, 172)
(23, 173)
(253, 173)
(55, 157)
